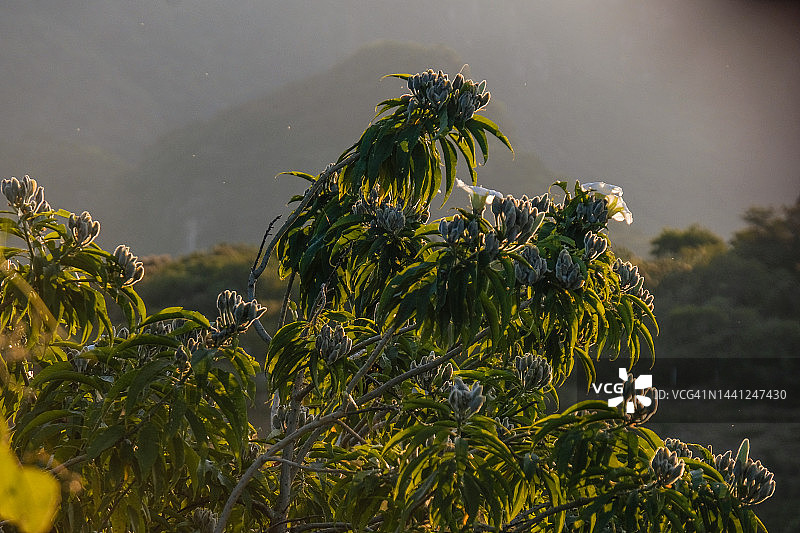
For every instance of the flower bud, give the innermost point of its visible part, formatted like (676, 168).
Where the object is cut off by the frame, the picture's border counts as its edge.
(132, 270)
(534, 372)
(84, 230)
(567, 272)
(668, 468)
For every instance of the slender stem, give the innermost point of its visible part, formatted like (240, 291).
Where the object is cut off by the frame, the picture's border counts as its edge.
(351, 431)
(282, 507)
(310, 193)
(371, 360)
(310, 468)
(527, 524)
(326, 420)
(418, 370)
(256, 271)
(376, 338)
(305, 448)
(285, 304)
(114, 504)
(68, 463)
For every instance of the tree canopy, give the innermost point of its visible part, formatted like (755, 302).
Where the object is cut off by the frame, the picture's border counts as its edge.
(413, 375)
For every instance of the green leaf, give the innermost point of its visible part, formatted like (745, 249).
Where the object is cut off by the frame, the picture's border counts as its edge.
(147, 448)
(144, 378)
(492, 128)
(172, 313)
(105, 440)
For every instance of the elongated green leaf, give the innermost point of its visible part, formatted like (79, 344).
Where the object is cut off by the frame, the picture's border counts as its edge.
(172, 313)
(492, 128)
(147, 448)
(105, 440)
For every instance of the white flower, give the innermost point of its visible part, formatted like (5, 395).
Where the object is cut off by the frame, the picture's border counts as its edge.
(602, 187)
(615, 202)
(480, 195)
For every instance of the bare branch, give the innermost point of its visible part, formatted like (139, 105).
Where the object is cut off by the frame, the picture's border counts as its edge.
(310, 468)
(418, 370)
(310, 193)
(371, 360)
(326, 420)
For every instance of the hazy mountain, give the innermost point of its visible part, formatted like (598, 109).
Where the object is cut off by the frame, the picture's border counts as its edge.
(690, 106)
(215, 181)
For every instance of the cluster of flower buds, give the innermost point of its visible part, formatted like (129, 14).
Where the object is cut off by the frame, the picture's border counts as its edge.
(148, 351)
(542, 203)
(533, 371)
(204, 520)
(632, 282)
(754, 482)
(517, 220)
(455, 230)
(642, 412)
(367, 205)
(506, 423)
(538, 266)
(83, 229)
(430, 90)
(567, 272)
(390, 218)
(629, 277)
(679, 447)
(332, 343)
(593, 211)
(79, 363)
(235, 315)
(25, 195)
(465, 401)
(280, 418)
(489, 245)
(432, 379)
(668, 467)
(471, 97)
(593, 246)
(132, 269)
(647, 298)
(750, 482)
(186, 350)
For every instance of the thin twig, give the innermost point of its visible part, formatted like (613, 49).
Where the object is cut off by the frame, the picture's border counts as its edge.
(527, 524)
(68, 463)
(310, 468)
(376, 338)
(418, 370)
(371, 360)
(263, 242)
(285, 304)
(351, 431)
(323, 421)
(282, 507)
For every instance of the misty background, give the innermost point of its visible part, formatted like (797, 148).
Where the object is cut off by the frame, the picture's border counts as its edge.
(168, 119)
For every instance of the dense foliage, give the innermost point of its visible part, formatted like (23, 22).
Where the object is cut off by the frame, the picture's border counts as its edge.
(413, 376)
(747, 293)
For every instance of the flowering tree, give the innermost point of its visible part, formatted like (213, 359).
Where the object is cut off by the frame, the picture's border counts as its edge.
(413, 378)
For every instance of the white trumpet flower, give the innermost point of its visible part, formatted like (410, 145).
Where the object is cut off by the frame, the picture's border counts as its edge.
(615, 202)
(480, 196)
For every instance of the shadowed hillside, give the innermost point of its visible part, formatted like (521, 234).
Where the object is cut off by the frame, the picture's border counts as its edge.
(215, 181)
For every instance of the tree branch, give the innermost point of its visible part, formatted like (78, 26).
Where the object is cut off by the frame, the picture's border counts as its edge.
(371, 360)
(326, 420)
(418, 370)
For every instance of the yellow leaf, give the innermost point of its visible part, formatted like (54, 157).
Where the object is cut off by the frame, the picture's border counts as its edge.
(29, 496)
